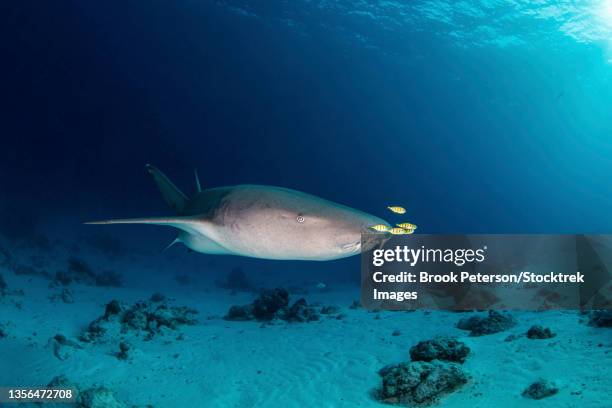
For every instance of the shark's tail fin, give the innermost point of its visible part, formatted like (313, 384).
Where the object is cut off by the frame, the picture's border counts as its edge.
(183, 223)
(173, 196)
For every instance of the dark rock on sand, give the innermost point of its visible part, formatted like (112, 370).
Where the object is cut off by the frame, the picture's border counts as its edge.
(62, 278)
(240, 313)
(236, 280)
(65, 296)
(4, 332)
(540, 389)
(61, 381)
(443, 348)
(99, 397)
(112, 308)
(300, 312)
(63, 347)
(419, 383)
(355, 305)
(5, 291)
(329, 310)
(495, 322)
(601, 318)
(157, 297)
(539, 332)
(274, 304)
(269, 302)
(79, 271)
(94, 397)
(148, 317)
(94, 331)
(124, 349)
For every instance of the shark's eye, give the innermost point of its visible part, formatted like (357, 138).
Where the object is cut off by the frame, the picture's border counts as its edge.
(300, 219)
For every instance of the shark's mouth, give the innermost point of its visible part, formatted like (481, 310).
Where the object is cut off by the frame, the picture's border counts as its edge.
(351, 247)
(371, 241)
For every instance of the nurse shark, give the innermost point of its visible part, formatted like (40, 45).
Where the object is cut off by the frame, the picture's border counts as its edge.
(262, 222)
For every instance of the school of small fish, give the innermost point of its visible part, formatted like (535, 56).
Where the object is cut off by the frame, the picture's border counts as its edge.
(403, 228)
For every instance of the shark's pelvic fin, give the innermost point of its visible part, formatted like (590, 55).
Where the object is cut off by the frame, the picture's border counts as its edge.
(176, 240)
(173, 196)
(197, 180)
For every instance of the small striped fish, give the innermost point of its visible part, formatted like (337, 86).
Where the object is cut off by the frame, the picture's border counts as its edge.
(407, 225)
(397, 210)
(380, 227)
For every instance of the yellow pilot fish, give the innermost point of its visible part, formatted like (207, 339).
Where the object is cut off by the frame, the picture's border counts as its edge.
(407, 225)
(398, 231)
(380, 227)
(397, 210)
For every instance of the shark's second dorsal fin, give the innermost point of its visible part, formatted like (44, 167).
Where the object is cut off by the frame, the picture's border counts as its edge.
(173, 196)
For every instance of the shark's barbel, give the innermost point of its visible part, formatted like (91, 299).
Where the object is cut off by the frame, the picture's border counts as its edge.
(262, 222)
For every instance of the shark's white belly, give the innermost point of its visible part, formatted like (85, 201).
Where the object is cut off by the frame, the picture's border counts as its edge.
(203, 244)
(256, 241)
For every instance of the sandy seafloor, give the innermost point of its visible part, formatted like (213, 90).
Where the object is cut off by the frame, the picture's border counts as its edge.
(328, 363)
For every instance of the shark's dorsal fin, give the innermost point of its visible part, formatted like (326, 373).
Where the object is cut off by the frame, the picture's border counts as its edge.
(173, 196)
(197, 180)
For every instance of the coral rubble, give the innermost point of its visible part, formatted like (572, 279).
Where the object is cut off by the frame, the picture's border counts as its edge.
(495, 322)
(601, 318)
(419, 382)
(539, 332)
(443, 348)
(540, 389)
(148, 317)
(274, 304)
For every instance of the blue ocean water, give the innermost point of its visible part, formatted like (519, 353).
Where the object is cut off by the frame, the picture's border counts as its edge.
(476, 116)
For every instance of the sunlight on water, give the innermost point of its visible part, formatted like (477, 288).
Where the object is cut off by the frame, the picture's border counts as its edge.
(605, 15)
(469, 23)
(607, 11)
